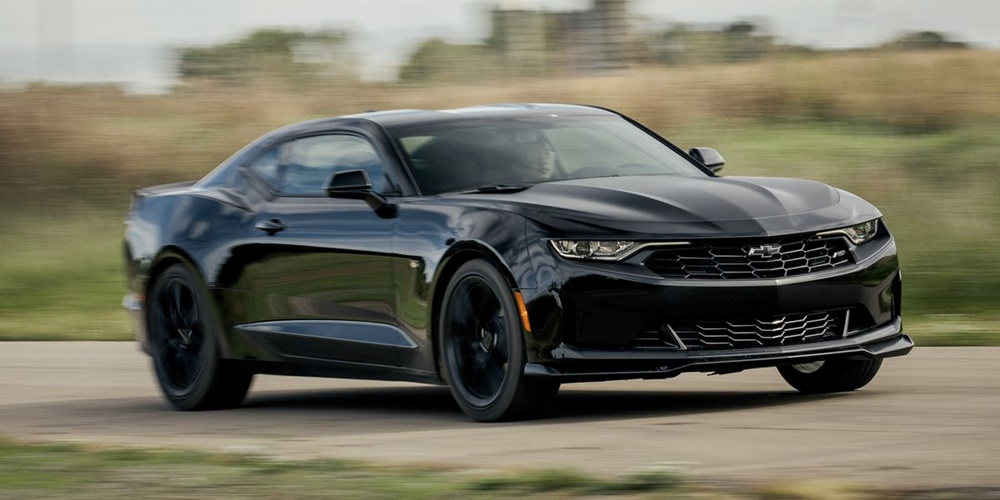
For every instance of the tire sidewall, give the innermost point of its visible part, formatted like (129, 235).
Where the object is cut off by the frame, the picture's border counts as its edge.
(193, 395)
(498, 406)
(835, 375)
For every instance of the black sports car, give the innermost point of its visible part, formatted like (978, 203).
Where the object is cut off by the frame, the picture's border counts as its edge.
(502, 250)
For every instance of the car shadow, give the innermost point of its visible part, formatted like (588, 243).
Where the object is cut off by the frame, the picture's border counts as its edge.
(428, 404)
(431, 401)
(307, 413)
(596, 405)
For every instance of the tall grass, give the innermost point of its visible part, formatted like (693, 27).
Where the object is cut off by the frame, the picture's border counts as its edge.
(915, 133)
(81, 142)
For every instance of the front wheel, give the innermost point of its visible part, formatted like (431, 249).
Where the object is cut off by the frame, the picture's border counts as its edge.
(832, 375)
(184, 343)
(481, 348)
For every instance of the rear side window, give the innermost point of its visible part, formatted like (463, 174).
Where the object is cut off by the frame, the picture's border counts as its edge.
(267, 166)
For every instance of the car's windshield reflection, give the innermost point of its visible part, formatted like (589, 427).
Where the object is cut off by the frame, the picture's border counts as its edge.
(489, 157)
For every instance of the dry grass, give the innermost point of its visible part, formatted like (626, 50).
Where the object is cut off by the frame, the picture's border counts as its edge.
(78, 140)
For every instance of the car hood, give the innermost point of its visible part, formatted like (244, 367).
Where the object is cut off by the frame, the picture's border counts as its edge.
(685, 206)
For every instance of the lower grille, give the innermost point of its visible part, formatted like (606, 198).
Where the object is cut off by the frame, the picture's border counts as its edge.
(772, 331)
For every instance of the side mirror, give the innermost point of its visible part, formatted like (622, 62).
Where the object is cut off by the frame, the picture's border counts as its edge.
(708, 157)
(356, 185)
(348, 184)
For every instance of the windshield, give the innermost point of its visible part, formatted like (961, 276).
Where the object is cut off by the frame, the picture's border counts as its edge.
(487, 153)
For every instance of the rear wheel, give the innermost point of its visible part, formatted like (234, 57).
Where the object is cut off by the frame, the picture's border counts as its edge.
(184, 343)
(481, 348)
(832, 375)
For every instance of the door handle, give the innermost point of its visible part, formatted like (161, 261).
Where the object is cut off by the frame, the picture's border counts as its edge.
(270, 226)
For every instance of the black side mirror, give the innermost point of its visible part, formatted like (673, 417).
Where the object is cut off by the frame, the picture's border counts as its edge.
(356, 185)
(708, 157)
(348, 184)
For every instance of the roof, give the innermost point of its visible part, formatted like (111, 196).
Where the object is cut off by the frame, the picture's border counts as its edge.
(404, 117)
(411, 116)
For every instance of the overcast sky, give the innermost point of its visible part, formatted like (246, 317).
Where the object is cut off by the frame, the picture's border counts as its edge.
(130, 40)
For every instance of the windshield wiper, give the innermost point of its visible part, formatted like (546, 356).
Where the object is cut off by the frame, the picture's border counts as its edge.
(499, 188)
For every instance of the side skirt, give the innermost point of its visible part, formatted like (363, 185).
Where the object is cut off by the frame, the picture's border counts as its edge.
(329, 348)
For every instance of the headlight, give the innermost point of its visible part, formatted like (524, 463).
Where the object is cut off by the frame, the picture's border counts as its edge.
(595, 250)
(858, 233)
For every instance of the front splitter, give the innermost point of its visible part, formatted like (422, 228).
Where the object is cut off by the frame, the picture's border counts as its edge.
(572, 364)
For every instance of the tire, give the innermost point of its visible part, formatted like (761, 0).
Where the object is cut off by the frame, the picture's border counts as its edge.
(184, 344)
(481, 351)
(832, 375)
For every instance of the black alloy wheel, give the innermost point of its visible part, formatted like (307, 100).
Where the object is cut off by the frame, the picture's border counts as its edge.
(831, 375)
(481, 348)
(184, 345)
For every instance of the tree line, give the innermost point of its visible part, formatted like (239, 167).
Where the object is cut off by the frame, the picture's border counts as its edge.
(291, 57)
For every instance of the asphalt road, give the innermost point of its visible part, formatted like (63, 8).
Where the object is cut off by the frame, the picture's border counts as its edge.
(931, 419)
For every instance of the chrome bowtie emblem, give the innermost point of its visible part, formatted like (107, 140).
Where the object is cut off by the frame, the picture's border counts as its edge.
(763, 251)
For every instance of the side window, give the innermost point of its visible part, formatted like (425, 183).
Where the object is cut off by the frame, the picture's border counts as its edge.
(266, 165)
(312, 160)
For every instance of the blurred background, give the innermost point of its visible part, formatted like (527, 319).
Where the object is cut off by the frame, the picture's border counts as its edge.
(895, 100)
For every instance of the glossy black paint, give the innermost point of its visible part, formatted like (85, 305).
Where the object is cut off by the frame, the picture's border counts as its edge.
(339, 287)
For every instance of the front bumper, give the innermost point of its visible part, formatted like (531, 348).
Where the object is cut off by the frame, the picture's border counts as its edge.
(573, 364)
(593, 320)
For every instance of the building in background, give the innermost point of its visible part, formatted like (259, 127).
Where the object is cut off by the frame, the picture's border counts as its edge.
(583, 41)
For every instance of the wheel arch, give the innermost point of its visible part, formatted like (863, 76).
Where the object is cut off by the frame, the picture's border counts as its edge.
(457, 255)
(167, 257)
(171, 255)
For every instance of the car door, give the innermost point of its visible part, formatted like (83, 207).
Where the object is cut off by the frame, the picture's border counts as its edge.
(320, 285)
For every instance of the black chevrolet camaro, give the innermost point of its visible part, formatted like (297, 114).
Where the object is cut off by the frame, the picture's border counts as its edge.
(502, 250)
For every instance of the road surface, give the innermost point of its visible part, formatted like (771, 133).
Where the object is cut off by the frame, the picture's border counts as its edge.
(930, 419)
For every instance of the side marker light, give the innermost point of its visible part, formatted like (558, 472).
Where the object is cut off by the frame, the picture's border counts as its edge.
(523, 311)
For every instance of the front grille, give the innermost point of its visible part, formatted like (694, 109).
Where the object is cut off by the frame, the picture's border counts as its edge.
(772, 331)
(750, 259)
